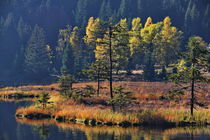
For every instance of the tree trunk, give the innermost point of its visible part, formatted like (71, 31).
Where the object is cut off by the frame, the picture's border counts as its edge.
(98, 89)
(110, 61)
(192, 86)
(111, 67)
(192, 95)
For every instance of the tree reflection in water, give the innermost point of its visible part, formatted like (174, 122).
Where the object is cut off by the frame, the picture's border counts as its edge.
(42, 130)
(119, 133)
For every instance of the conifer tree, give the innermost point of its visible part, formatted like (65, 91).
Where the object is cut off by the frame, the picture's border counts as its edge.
(94, 30)
(68, 60)
(191, 72)
(135, 41)
(98, 71)
(37, 55)
(149, 34)
(121, 49)
(63, 44)
(168, 43)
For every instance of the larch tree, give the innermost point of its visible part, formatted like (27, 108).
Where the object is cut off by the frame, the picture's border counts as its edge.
(135, 41)
(94, 30)
(168, 43)
(149, 34)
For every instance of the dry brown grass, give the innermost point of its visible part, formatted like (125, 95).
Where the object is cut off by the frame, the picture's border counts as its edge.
(148, 95)
(94, 113)
(32, 110)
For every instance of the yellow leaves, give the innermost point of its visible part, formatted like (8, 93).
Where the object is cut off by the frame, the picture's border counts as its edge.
(93, 30)
(148, 33)
(136, 25)
(74, 37)
(148, 22)
(134, 44)
(134, 40)
(181, 65)
(101, 50)
(90, 23)
(123, 21)
(167, 21)
(170, 34)
(122, 25)
(173, 29)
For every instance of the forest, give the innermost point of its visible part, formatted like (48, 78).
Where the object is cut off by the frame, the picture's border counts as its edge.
(41, 38)
(104, 69)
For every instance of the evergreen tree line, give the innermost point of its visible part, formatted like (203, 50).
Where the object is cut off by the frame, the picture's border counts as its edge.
(36, 44)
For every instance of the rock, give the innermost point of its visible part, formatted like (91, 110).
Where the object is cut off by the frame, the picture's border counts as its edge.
(60, 119)
(38, 116)
(109, 123)
(19, 115)
(92, 122)
(124, 124)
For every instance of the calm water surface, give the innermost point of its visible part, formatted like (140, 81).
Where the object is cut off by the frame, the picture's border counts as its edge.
(12, 129)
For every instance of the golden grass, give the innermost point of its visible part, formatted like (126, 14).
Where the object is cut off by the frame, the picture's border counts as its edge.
(177, 116)
(148, 96)
(148, 117)
(92, 113)
(32, 110)
(13, 92)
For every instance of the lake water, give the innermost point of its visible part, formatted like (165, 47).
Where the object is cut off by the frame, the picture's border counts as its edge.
(22, 129)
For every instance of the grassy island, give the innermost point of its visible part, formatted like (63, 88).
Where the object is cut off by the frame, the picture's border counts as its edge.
(150, 106)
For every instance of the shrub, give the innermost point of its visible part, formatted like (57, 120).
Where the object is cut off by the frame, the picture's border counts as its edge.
(79, 93)
(65, 84)
(43, 100)
(121, 98)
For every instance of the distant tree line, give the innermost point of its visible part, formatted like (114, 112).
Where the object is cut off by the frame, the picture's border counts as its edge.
(36, 44)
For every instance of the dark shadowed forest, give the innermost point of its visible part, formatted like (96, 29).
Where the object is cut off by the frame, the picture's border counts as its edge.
(40, 38)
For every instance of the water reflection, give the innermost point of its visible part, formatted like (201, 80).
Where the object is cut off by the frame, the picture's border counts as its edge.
(23, 129)
(118, 133)
(43, 131)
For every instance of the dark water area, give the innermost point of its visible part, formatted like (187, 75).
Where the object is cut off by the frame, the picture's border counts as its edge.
(12, 129)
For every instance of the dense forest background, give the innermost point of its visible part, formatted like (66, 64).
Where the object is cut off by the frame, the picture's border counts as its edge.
(26, 23)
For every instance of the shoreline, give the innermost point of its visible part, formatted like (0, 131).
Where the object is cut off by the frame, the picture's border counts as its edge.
(151, 107)
(150, 121)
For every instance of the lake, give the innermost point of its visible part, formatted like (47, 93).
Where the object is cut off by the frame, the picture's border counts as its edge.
(22, 129)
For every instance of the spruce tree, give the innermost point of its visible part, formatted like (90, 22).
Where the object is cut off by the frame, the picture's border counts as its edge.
(191, 72)
(68, 60)
(37, 55)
